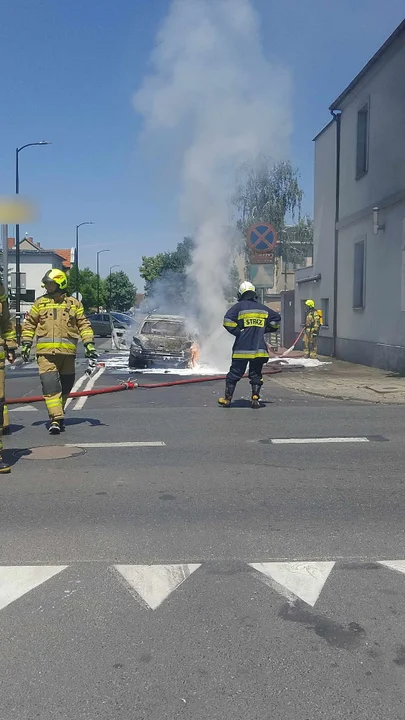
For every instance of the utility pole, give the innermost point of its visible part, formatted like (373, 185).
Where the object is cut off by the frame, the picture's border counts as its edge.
(98, 278)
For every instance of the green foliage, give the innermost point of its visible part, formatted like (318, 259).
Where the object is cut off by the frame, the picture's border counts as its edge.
(119, 292)
(87, 287)
(234, 282)
(170, 266)
(271, 193)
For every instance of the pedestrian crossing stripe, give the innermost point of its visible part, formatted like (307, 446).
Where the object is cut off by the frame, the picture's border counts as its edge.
(24, 408)
(398, 565)
(16, 581)
(296, 579)
(152, 584)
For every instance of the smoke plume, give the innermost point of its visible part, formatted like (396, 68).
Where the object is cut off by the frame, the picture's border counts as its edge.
(213, 96)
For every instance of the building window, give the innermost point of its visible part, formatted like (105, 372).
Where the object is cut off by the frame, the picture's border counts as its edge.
(362, 141)
(303, 312)
(325, 311)
(359, 274)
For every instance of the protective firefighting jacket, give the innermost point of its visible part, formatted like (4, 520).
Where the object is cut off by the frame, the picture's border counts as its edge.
(249, 321)
(313, 321)
(58, 321)
(8, 337)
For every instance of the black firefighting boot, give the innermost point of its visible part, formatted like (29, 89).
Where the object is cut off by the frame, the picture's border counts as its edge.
(4, 466)
(54, 428)
(255, 403)
(229, 391)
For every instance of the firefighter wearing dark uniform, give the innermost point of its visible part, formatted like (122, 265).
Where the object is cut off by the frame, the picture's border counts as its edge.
(249, 321)
(58, 322)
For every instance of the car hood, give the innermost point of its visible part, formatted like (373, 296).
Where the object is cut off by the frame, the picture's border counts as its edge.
(162, 343)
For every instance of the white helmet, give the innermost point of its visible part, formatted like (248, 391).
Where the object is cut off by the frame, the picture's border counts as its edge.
(245, 287)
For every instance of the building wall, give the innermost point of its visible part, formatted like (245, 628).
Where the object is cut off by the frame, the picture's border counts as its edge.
(35, 265)
(324, 236)
(374, 335)
(382, 88)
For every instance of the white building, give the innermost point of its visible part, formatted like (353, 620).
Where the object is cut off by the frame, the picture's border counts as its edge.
(34, 264)
(358, 274)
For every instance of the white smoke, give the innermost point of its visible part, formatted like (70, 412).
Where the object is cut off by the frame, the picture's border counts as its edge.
(214, 96)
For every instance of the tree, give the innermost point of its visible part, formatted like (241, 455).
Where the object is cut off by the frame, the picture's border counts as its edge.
(119, 292)
(87, 287)
(271, 193)
(170, 268)
(234, 282)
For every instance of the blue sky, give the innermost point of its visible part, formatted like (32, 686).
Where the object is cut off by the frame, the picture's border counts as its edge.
(69, 72)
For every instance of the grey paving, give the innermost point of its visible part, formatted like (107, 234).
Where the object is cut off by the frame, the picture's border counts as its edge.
(223, 645)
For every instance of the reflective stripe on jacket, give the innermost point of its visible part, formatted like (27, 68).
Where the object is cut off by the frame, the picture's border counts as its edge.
(312, 320)
(58, 323)
(249, 321)
(8, 337)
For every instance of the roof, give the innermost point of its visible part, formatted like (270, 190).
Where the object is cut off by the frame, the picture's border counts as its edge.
(374, 60)
(324, 129)
(65, 255)
(166, 318)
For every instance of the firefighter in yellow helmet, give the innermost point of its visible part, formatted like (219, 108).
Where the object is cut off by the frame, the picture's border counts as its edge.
(312, 327)
(58, 322)
(8, 345)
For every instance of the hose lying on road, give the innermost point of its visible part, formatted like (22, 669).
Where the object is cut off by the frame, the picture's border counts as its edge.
(83, 393)
(189, 381)
(130, 385)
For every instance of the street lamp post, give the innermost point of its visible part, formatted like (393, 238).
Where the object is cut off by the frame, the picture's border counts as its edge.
(17, 235)
(77, 255)
(110, 293)
(98, 278)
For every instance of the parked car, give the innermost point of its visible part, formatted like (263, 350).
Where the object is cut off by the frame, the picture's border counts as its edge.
(102, 322)
(160, 338)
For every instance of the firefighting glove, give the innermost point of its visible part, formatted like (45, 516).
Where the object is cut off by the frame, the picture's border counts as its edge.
(91, 352)
(26, 351)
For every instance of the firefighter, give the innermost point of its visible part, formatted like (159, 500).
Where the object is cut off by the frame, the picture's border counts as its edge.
(312, 327)
(8, 345)
(248, 321)
(58, 322)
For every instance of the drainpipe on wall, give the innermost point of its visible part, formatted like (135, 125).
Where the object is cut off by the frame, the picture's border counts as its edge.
(337, 118)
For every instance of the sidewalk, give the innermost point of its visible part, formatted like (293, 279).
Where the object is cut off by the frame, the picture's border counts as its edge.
(344, 381)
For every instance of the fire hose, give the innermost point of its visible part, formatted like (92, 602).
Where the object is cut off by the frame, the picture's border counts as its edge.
(130, 385)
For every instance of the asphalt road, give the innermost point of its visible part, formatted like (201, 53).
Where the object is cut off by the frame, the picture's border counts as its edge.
(211, 575)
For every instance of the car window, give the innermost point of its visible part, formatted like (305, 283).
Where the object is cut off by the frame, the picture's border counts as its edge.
(105, 318)
(164, 328)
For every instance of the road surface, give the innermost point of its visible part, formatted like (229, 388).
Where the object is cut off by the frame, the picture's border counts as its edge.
(178, 563)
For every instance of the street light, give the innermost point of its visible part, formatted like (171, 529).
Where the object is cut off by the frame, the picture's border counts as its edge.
(98, 278)
(110, 293)
(77, 254)
(17, 235)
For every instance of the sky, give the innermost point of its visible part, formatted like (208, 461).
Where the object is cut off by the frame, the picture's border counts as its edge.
(70, 71)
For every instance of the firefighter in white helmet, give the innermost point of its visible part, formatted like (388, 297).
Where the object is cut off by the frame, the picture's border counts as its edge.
(58, 322)
(248, 321)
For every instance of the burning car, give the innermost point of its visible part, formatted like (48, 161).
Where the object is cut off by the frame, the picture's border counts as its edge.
(161, 339)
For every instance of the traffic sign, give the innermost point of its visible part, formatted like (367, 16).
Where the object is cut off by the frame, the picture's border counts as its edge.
(262, 237)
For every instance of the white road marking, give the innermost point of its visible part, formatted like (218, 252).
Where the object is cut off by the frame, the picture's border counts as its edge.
(154, 583)
(79, 382)
(23, 408)
(304, 580)
(398, 565)
(152, 443)
(16, 581)
(310, 441)
(92, 380)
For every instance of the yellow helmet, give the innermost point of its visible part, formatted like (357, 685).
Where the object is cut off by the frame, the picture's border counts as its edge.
(310, 303)
(56, 276)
